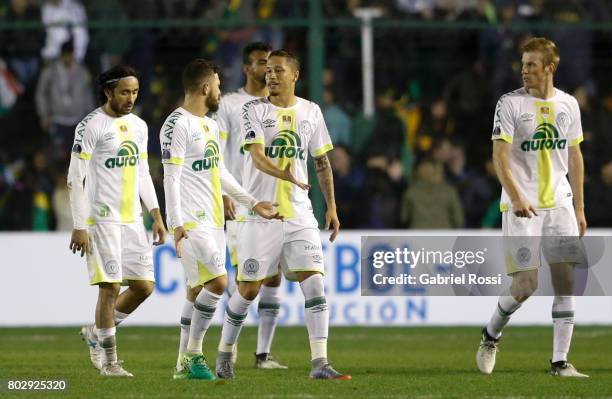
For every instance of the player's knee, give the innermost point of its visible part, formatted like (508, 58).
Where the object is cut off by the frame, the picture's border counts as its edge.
(301, 276)
(144, 290)
(249, 290)
(109, 292)
(192, 292)
(274, 281)
(524, 288)
(217, 285)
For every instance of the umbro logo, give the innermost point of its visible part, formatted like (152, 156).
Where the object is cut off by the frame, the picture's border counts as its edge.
(269, 123)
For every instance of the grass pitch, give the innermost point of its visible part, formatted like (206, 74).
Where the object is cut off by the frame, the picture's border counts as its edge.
(384, 362)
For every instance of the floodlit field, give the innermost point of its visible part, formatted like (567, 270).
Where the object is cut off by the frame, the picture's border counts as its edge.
(384, 362)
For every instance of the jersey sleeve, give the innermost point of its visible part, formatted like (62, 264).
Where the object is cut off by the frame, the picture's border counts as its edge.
(222, 119)
(320, 142)
(574, 134)
(173, 139)
(250, 126)
(85, 140)
(145, 184)
(503, 122)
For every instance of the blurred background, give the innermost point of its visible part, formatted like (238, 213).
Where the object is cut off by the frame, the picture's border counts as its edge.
(407, 88)
(412, 152)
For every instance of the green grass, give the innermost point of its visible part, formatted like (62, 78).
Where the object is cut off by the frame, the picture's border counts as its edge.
(384, 362)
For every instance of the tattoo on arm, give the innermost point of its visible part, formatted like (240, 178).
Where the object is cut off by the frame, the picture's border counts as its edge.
(326, 179)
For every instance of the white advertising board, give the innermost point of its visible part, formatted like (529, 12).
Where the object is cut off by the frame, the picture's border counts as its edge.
(44, 284)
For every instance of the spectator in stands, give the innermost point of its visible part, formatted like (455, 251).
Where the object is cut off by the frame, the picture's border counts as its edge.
(22, 46)
(602, 134)
(348, 183)
(388, 137)
(480, 194)
(431, 203)
(61, 203)
(65, 20)
(106, 50)
(64, 96)
(337, 121)
(40, 178)
(436, 125)
(598, 197)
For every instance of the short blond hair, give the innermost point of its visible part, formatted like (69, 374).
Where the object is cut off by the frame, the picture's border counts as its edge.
(548, 49)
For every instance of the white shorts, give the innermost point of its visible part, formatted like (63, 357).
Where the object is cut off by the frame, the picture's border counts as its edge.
(554, 232)
(203, 256)
(231, 227)
(120, 252)
(294, 244)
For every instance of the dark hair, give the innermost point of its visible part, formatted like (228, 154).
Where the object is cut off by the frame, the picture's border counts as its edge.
(251, 48)
(67, 47)
(110, 79)
(288, 55)
(195, 72)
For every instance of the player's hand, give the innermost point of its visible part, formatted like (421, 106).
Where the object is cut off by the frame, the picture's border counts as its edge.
(267, 210)
(159, 232)
(287, 175)
(331, 219)
(80, 242)
(582, 223)
(522, 208)
(179, 234)
(229, 208)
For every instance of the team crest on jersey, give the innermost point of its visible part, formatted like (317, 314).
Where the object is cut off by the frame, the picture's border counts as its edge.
(206, 129)
(269, 123)
(546, 137)
(286, 144)
(287, 120)
(210, 159)
(126, 156)
(545, 111)
(123, 128)
(305, 128)
(563, 121)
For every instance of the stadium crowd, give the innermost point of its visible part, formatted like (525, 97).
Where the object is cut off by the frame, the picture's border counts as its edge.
(423, 161)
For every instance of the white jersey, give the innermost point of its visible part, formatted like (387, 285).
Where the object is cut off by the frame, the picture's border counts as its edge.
(193, 142)
(540, 131)
(116, 149)
(288, 135)
(228, 118)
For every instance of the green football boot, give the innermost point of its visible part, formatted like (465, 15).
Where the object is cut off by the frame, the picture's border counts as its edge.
(197, 367)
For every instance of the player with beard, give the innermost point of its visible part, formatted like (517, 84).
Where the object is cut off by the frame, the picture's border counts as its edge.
(254, 58)
(109, 154)
(194, 179)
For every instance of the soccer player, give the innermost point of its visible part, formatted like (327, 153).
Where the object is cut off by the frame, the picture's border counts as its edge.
(279, 132)
(110, 154)
(536, 137)
(254, 58)
(194, 177)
